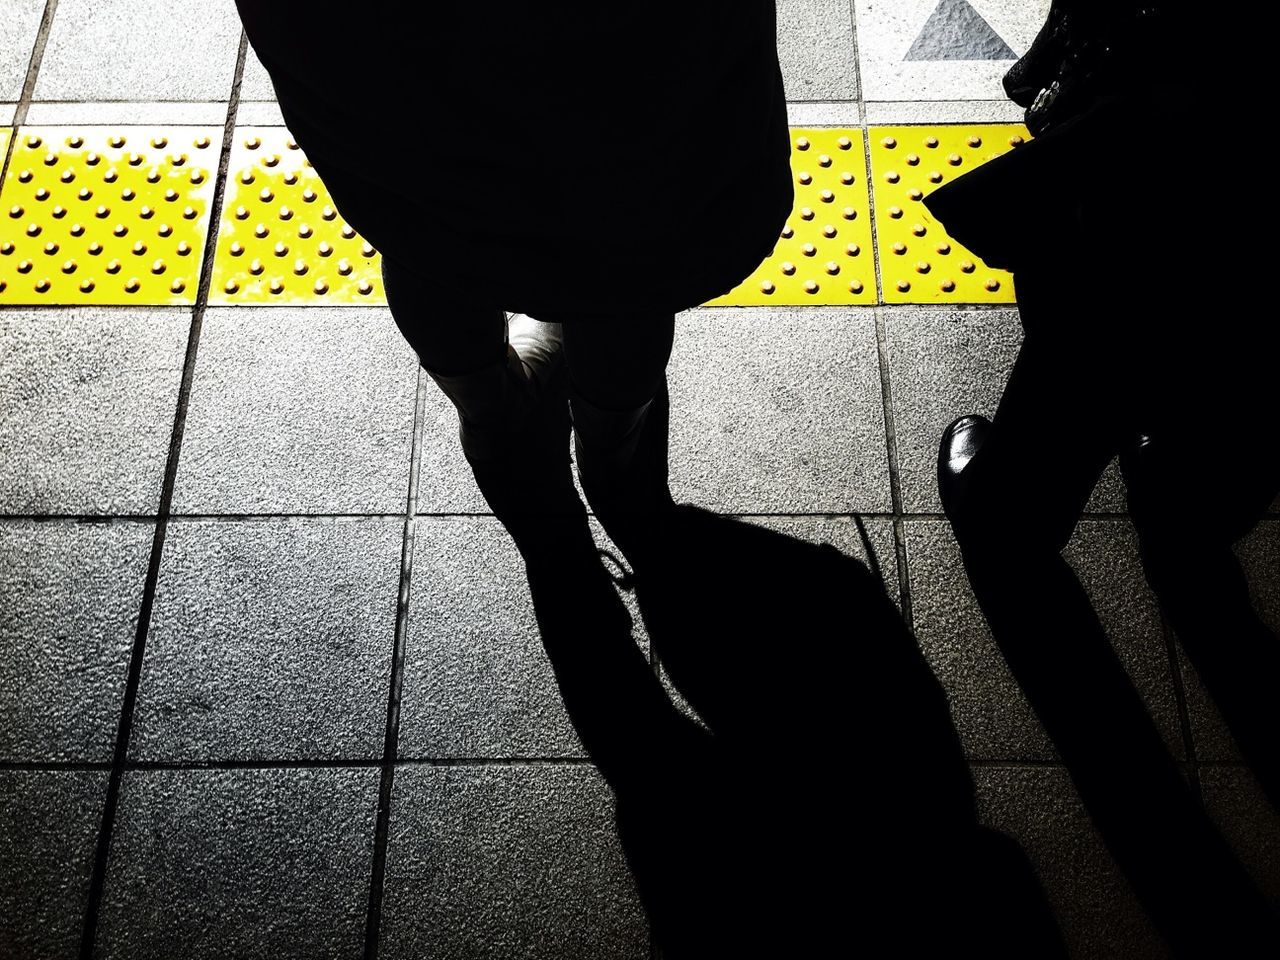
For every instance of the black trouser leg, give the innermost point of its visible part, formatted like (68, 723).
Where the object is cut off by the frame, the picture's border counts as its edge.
(451, 336)
(618, 363)
(1055, 430)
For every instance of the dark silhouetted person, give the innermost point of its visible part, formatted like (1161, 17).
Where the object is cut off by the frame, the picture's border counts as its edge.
(595, 167)
(1140, 341)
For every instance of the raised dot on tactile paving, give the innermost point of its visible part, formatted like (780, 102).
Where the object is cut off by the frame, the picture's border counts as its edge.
(201, 142)
(787, 232)
(916, 193)
(935, 176)
(261, 230)
(804, 177)
(328, 213)
(832, 267)
(809, 249)
(69, 267)
(913, 159)
(947, 286)
(266, 195)
(321, 287)
(86, 286)
(164, 230)
(806, 213)
(184, 248)
(237, 248)
(309, 195)
(95, 249)
(895, 212)
(824, 160)
(766, 286)
(159, 267)
(1016, 141)
(844, 143)
(846, 178)
(366, 250)
(943, 248)
(33, 229)
(348, 231)
(132, 285)
(67, 175)
(968, 266)
(892, 176)
(139, 249)
(899, 248)
(931, 142)
(344, 267)
(829, 231)
(247, 176)
(855, 286)
(272, 160)
(827, 196)
(853, 250)
(992, 285)
(43, 285)
(51, 248)
(189, 213)
(178, 285)
(919, 229)
(280, 249)
(364, 287)
(811, 286)
(256, 267)
(922, 266)
(802, 143)
(113, 266)
(242, 213)
(25, 176)
(252, 143)
(276, 285)
(290, 177)
(304, 230)
(42, 194)
(231, 286)
(325, 249)
(300, 266)
(285, 213)
(889, 143)
(787, 267)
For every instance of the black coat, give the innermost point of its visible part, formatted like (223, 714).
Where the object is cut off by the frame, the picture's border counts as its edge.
(611, 159)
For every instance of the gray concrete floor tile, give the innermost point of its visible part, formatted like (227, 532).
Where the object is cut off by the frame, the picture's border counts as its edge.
(18, 32)
(943, 111)
(270, 640)
(48, 827)
(255, 82)
(69, 600)
(1095, 907)
(500, 862)
(777, 411)
(946, 363)
(240, 863)
(815, 48)
(942, 49)
(1252, 826)
(140, 49)
(477, 682)
(89, 396)
(990, 710)
(445, 481)
(298, 410)
(1259, 555)
(128, 113)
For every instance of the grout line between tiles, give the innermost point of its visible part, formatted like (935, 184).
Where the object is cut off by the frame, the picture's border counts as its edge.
(391, 746)
(103, 848)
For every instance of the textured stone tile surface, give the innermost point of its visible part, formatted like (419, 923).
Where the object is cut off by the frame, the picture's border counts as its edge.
(815, 48)
(270, 640)
(477, 681)
(778, 410)
(993, 715)
(1094, 905)
(1234, 799)
(240, 863)
(140, 50)
(943, 364)
(18, 32)
(498, 862)
(48, 827)
(69, 600)
(89, 397)
(298, 410)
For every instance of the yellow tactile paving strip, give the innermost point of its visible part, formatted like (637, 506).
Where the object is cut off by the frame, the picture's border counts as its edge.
(824, 255)
(919, 263)
(106, 215)
(281, 240)
(121, 215)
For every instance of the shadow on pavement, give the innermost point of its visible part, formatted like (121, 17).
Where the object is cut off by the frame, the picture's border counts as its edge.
(829, 803)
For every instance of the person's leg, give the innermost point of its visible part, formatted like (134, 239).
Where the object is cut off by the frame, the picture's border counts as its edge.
(1203, 591)
(618, 398)
(451, 336)
(1057, 425)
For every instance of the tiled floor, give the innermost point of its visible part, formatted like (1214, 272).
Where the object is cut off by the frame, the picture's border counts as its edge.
(274, 501)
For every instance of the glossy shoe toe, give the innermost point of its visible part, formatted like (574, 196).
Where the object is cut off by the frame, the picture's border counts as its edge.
(960, 441)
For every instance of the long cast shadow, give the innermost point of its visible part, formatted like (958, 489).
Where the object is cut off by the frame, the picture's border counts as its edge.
(827, 800)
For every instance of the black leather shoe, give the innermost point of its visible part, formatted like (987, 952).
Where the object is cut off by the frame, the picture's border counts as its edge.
(960, 441)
